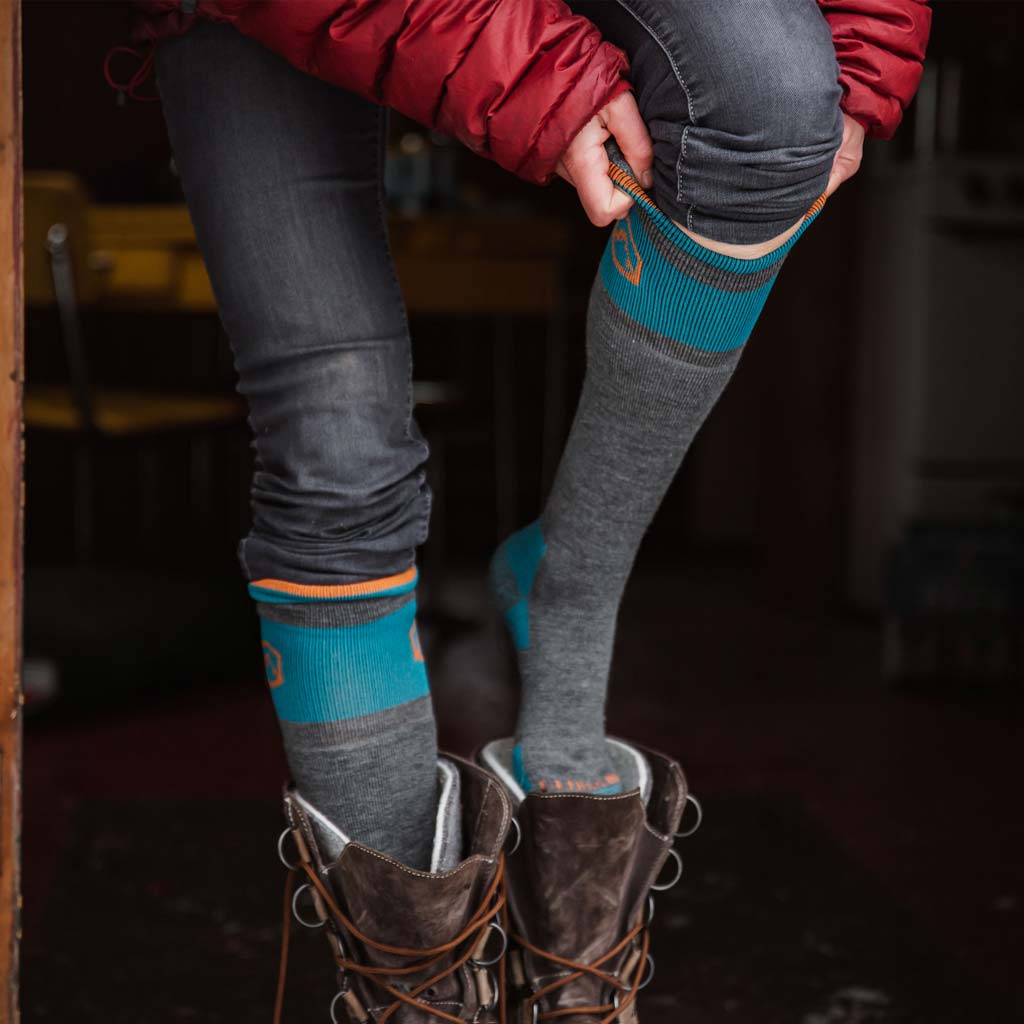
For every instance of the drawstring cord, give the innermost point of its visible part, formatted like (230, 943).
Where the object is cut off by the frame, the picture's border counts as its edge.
(138, 78)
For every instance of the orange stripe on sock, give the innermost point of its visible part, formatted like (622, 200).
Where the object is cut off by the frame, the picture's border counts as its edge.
(816, 208)
(326, 592)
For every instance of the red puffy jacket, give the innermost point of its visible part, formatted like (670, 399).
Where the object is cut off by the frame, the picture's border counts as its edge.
(515, 80)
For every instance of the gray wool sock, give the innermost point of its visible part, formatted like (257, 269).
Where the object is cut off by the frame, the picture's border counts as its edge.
(668, 319)
(350, 690)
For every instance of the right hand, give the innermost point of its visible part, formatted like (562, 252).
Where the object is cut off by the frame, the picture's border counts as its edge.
(585, 163)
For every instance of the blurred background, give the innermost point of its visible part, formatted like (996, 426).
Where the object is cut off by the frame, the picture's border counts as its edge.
(825, 623)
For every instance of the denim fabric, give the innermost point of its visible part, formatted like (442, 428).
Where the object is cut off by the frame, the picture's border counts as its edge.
(742, 101)
(282, 174)
(283, 177)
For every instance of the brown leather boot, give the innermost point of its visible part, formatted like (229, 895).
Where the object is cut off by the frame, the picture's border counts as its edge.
(580, 884)
(410, 947)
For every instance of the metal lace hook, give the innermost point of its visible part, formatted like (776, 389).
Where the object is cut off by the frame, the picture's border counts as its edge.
(501, 952)
(650, 912)
(334, 1008)
(280, 851)
(691, 799)
(295, 909)
(665, 886)
(644, 982)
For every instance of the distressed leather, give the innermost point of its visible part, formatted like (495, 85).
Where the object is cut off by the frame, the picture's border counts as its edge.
(579, 882)
(397, 906)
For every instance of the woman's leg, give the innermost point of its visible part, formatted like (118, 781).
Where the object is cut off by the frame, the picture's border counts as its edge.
(741, 98)
(282, 174)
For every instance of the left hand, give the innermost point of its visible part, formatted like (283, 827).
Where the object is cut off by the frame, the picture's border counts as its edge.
(585, 163)
(851, 151)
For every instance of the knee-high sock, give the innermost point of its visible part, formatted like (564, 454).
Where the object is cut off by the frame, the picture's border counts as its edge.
(349, 685)
(668, 319)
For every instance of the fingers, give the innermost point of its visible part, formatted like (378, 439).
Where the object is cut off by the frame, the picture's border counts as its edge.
(848, 159)
(601, 200)
(585, 163)
(622, 119)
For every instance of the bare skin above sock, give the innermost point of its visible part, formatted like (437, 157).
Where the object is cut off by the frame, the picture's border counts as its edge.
(668, 319)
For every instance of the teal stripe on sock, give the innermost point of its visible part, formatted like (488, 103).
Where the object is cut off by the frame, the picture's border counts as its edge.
(513, 570)
(651, 290)
(329, 674)
(519, 770)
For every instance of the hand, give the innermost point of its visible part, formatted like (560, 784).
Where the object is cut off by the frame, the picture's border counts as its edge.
(585, 163)
(851, 151)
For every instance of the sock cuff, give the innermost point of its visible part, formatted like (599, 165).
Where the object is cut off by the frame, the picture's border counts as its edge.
(273, 591)
(696, 305)
(622, 178)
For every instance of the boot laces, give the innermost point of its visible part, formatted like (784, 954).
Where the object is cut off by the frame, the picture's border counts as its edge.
(462, 949)
(625, 991)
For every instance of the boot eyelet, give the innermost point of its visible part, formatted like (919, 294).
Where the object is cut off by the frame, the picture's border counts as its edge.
(295, 909)
(690, 799)
(501, 952)
(334, 1010)
(338, 946)
(644, 981)
(665, 886)
(649, 916)
(290, 865)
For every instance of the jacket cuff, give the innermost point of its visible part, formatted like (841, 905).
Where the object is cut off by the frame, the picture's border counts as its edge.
(602, 80)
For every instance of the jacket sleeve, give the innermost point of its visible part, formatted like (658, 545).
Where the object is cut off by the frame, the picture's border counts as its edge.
(880, 46)
(514, 80)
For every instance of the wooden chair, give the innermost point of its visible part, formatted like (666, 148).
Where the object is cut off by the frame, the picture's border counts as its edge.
(62, 270)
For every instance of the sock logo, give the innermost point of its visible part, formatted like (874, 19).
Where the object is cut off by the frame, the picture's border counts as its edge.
(625, 254)
(579, 785)
(414, 643)
(272, 665)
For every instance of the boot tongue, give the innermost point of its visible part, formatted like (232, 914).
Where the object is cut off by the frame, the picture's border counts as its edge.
(581, 854)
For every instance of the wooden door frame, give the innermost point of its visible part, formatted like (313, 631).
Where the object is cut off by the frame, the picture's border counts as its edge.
(11, 364)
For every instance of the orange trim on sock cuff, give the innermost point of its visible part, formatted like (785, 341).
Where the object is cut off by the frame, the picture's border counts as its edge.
(327, 592)
(635, 189)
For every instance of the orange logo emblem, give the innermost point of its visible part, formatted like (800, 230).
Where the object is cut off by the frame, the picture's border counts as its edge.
(625, 254)
(414, 643)
(272, 665)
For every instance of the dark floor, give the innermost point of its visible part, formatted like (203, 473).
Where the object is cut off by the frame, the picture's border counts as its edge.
(862, 860)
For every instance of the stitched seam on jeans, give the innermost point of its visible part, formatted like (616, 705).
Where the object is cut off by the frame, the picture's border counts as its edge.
(689, 104)
(680, 162)
(672, 61)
